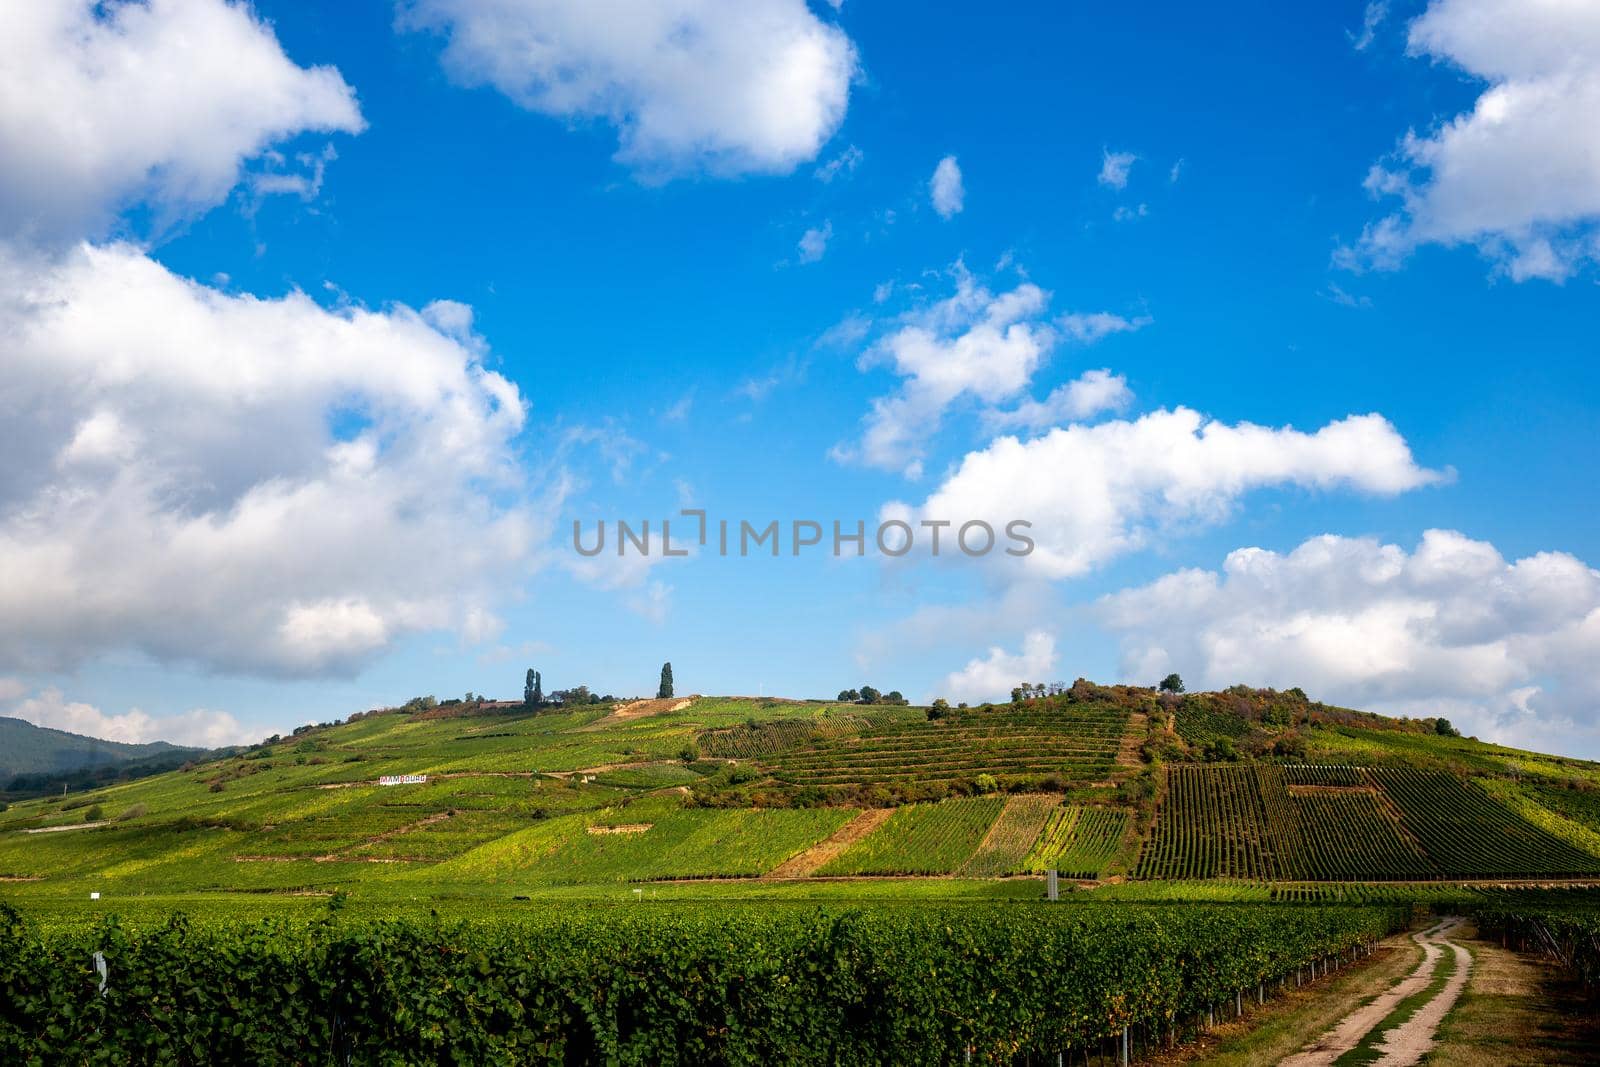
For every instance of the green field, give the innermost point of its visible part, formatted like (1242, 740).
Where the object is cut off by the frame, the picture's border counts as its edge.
(922, 839)
(709, 798)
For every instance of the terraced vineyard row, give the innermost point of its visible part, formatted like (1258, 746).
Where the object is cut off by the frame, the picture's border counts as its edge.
(1006, 846)
(921, 839)
(1198, 724)
(778, 735)
(1212, 825)
(1313, 774)
(1466, 833)
(1073, 745)
(1079, 842)
(1262, 822)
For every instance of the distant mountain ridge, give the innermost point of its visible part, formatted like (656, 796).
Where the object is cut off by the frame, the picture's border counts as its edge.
(26, 749)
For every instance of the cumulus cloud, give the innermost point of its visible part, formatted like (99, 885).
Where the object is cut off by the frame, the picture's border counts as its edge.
(198, 727)
(247, 484)
(1505, 649)
(721, 86)
(1114, 168)
(992, 677)
(103, 105)
(945, 188)
(1086, 396)
(1518, 176)
(980, 346)
(814, 242)
(1094, 492)
(975, 343)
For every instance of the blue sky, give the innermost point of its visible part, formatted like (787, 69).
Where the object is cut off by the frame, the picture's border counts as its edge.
(327, 343)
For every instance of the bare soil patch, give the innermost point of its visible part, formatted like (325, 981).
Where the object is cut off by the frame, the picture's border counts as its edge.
(1132, 738)
(803, 863)
(638, 709)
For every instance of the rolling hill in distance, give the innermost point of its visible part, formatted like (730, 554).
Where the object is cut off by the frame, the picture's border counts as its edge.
(1242, 793)
(40, 752)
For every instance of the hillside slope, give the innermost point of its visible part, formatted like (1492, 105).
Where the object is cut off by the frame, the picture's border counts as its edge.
(36, 750)
(1098, 782)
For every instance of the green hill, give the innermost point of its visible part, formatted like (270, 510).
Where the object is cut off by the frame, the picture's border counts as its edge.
(36, 751)
(1121, 784)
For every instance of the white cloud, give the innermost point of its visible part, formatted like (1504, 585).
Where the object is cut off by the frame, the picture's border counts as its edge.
(945, 188)
(1114, 168)
(1124, 213)
(842, 164)
(1086, 396)
(791, 371)
(1371, 19)
(980, 346)
(198, 727)
(1094, 492)
(108, 104)
(1518, 176)
(680, 409)
(1338, 296)
(1504, 649)
(302, 177)
(992, 677)
(1086, 328)
(251, 485)
(722, 86)
(974, 343)
(814, 242)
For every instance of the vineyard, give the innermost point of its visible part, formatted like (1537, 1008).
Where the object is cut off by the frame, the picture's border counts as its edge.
(1071, 743)
(1201, 724)
(921, 839)
(1263, 822)
(1466, 834)
(1564, 927)
(673, 843)
(1079, 842)
(1010, 839)
(520, 802)
(756, 738)
(648, 984)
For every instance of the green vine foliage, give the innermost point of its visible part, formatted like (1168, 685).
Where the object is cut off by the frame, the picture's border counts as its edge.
(647, 984)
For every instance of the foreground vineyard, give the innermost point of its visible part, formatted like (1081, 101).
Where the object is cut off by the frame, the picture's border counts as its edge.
(652, 984)
(1564, 927)
(1270, 823)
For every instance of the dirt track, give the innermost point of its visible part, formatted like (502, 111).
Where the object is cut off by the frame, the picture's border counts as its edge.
(1411, 1040)
(804, 863)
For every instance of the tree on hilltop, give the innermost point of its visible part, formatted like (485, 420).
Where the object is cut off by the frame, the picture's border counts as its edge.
(665, 689)
(533, 689)
(1172, 683)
